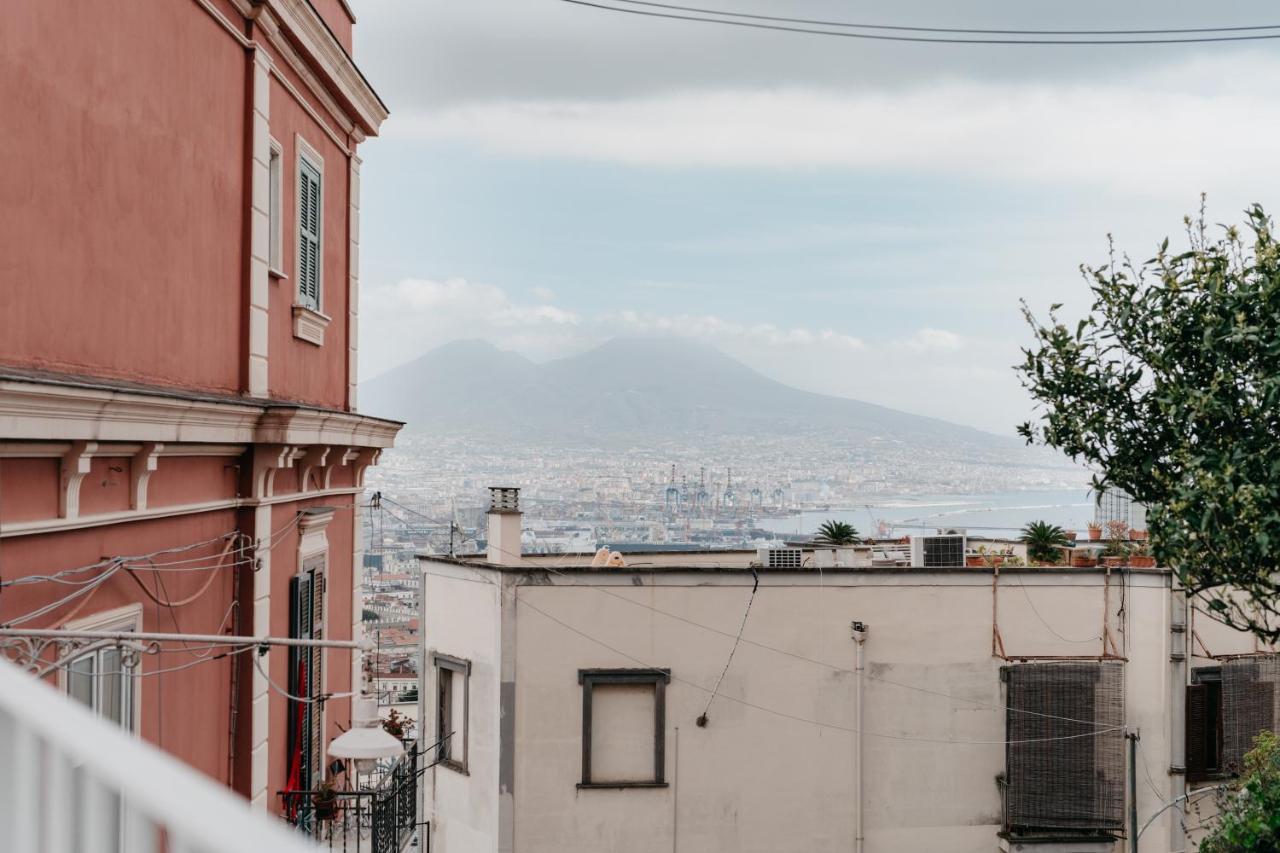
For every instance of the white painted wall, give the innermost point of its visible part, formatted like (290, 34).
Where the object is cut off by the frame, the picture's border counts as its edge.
(753, 780)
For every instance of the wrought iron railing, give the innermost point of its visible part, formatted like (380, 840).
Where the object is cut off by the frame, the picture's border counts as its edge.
(379, 818)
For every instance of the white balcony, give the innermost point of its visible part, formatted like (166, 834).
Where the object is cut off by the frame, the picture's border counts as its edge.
(73, 783)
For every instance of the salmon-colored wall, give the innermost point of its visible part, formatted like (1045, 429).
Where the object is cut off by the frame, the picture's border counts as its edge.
(106, 487)
(186, 712)
(284, 565)
(122, 191)
(192, 479)
(339, 22)
(298, 370)
(28, 489)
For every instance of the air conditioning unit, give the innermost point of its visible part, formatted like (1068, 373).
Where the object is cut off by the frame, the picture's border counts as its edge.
(943, 551)
(780, 558)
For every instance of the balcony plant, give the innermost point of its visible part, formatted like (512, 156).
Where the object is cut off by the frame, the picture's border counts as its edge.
(1095, 531)
(325, 800)
(836, 533)
(1141, 558)
(1043, 541)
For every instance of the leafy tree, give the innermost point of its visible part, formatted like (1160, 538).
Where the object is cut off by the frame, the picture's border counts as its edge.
(1249, 816)
(836, 533)
(1170, 388)
(1043, 540)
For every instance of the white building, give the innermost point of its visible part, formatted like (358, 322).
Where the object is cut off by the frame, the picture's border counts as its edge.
(866, 708)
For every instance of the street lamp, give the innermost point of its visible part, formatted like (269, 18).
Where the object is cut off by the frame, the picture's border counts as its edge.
(366, 741)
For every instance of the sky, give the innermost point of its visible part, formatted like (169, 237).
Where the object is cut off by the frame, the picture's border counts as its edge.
(853, 217)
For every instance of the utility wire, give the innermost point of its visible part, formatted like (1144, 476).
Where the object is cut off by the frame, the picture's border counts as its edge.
(702, 720)
(761, 25)
(917, 29)
(808, 720)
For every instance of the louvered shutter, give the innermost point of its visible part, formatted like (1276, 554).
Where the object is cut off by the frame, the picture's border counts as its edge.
(300, 682)
(309, 201)
(315, 717)
(1197, 732)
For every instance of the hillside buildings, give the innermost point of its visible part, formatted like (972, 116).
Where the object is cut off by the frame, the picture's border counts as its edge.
(180, 447)
(871, 703)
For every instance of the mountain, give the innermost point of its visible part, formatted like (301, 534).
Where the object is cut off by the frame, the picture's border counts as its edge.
(628, 387)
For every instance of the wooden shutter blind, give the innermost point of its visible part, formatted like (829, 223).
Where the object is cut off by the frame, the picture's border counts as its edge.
(309, 202)
(1197, 732)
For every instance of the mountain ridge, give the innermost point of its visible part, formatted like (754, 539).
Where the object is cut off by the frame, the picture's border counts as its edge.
(653, 387)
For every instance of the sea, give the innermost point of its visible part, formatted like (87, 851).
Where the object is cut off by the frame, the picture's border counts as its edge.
(1001, 514)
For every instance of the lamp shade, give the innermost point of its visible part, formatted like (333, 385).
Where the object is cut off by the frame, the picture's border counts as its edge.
(365, 741)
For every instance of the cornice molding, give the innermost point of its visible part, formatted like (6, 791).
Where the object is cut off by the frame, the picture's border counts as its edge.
(306, 31)
(52, 412)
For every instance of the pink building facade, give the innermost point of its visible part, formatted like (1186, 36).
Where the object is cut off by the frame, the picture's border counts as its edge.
(180, 449)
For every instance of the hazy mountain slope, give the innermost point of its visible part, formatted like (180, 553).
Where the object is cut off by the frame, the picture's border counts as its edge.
(659, 387)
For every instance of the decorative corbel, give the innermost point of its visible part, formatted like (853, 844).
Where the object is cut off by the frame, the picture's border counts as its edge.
(351, 454)
(75, 464)
(140, 471)
(267, 460)
(314, 457)
(364, 458)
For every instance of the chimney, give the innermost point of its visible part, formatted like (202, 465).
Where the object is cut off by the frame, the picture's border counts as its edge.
(504, 526)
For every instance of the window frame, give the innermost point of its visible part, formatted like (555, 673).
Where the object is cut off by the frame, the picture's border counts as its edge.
(127, 618)
(307, 155)
(659, 679)
(275, 209)
(446, 753)
(1204, 677)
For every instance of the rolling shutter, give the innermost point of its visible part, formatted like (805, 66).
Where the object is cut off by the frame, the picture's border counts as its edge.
(1197, 732)
(1248, 705)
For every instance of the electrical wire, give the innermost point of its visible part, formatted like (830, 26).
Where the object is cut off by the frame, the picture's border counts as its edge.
(801, 719)
(1045, 622)
(807, 659)
(917, 29)
(702, 721)
(257, 662)
(761, 25)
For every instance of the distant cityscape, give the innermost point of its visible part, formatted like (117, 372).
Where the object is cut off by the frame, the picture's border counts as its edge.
(725, 491)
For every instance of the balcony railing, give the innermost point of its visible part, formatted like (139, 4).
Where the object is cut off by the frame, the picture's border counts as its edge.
(74, 783)
(381, 818)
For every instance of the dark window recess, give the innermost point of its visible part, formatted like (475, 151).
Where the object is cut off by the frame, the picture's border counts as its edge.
(453, 710)
(624, 714)
(1204, 725)
(1065, 760)
(1249, 697)
(306, 621)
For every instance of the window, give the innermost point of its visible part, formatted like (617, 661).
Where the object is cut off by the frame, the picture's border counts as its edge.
(306, 675)
(1204, 725)
(101, 679)
(453, 700)
(623, 727)
(1065, 762)
(310, 225)
(1250, 689)
(275, 191)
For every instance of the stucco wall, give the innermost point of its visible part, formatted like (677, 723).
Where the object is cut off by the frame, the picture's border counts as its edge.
(122, 192)
(461, 617)
(753, 780)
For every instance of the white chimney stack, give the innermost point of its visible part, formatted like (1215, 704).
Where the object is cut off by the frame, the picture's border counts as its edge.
(505, 521)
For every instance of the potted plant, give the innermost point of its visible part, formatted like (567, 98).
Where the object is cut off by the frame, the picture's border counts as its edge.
(396, 724)
(1083, 560)
(325, 800)
(1141, 558)
(1043, 541)
(1095, 531)
(1138, 535)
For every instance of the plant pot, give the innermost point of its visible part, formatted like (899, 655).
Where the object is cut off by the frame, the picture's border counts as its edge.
(1082, 562)
(973, 561)
(1113, 562)
(326, 808)
(1095, 534)
(1147, 562)
(1138, 535)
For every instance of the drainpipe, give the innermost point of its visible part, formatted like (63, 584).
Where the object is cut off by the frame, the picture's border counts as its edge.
(1178, 714)
(859, 637)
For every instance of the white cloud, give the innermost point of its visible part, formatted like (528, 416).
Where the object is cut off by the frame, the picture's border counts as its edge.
(546, 294)
(1133, 133)
(934, 340)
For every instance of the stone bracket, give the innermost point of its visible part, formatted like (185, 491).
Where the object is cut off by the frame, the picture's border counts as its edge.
(143, 466)
(75, 464)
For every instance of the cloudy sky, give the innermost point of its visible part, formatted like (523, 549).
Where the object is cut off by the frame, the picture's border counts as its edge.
(854, 217)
